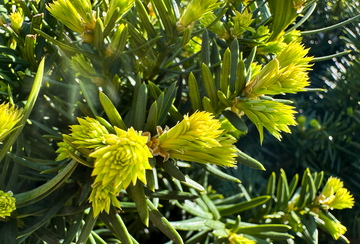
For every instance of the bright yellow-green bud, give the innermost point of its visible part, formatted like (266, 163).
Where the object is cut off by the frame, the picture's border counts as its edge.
(287, 73)
(294, 53)
(335, 196)
(333, 226)
(84, 9)
(198, 138)
(67, 13)
(9, 116)
(272, 115)
(240, 239)
(101, 198)
(16, 20)
(267, 77)
(90, 133)
(291, 79)
(242, 22)
(332, 185)
(123, 160)
(7, 204)
(61, 151)
(123, 5)
(194, 11)
(223, 155)
(342, 199)
(200, 128)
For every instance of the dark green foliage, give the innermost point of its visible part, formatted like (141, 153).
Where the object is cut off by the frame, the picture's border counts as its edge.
(144, 69)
